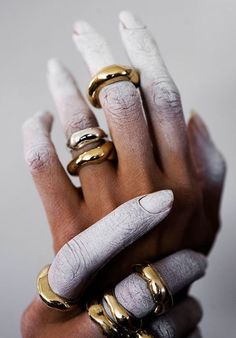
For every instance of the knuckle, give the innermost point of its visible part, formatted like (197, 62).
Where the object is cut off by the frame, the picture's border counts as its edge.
(75, 255)
(188, 197)
(122, 101)
(39, 158)
(80, 120)
(166, 97)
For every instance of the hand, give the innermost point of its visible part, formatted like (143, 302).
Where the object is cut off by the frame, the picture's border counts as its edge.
(161, 153)
(79, 259)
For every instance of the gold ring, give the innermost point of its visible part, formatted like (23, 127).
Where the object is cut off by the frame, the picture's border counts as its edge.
(98, 314)
(92, 156)
(159, 291)
(108, 75)
(49, 296)
(122, 316)
(84, 137)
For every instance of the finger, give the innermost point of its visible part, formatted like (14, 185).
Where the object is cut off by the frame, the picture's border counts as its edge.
(162, 98)
(75, 115)
(179, 322)
(121, 103)
(58, 194)
(209, 163)
(73, 111)
(79, 260)
(178, 271)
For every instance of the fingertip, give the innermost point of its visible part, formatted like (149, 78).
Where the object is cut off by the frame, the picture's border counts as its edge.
(157, 202)
(54, 65)
(130, 21)
(82, 27)
(42, 117)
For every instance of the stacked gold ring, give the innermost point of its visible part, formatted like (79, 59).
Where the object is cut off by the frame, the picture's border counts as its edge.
(161, 295)
(122, 325)
(109, 75)
(84, 137)
(104, 150)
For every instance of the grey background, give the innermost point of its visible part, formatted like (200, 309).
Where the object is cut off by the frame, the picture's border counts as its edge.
(197, 39)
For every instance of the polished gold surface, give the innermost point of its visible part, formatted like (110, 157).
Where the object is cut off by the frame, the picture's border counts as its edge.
(123, 317)
(97, 313)
(84, 137)
(108, 75)
(48, 296)
(143, 334)
(93, 156)
(160, 293)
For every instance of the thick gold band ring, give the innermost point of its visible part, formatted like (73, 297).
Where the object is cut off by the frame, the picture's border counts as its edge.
(48, 296)
(108, 75)
(92, 156)
(122, 316)
(161, 295)
(84, 137)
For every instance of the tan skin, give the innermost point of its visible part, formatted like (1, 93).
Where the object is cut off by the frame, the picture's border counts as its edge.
(152, 166)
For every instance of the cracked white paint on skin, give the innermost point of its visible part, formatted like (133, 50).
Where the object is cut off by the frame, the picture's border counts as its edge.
(73, 110)
(78, 260)
(38, 147)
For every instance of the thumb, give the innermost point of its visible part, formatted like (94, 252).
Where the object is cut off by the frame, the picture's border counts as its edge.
(80, 258)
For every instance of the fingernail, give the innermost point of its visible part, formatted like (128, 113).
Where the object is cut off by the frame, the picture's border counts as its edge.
(157, 202)
(129, 21)
(199, 124)
(82, 27)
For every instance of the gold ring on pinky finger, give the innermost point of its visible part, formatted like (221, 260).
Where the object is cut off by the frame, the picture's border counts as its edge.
(92, 156)
(160, 293)
(84, 137)
(48, 296)
(108, 75)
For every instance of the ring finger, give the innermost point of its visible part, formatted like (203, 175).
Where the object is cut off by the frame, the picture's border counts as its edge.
(75, 115)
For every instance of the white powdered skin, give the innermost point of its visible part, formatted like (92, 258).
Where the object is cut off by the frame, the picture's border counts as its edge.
(79, 259)
(37, 144)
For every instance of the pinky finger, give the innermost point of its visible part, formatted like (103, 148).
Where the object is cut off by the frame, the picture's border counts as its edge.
(209, 163)
(57, 193)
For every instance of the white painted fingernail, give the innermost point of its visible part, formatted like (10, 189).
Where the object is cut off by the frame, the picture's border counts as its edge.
(157, 202)
(130, 21)
(82, 27)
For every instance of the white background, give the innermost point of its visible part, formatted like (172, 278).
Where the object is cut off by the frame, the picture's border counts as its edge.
(197, 40)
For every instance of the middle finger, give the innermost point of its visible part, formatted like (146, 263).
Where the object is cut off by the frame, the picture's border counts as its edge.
(122, 105)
